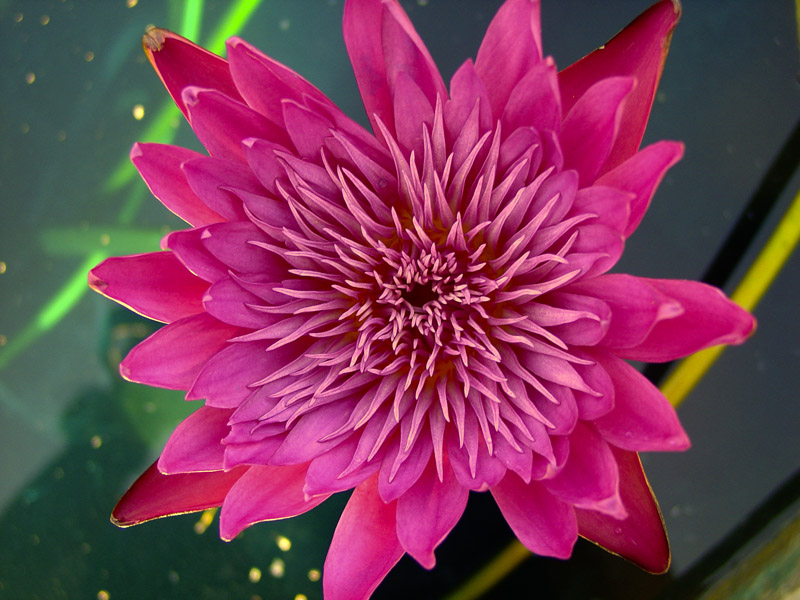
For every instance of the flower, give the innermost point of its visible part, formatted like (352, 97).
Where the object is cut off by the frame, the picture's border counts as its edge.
(419, 311)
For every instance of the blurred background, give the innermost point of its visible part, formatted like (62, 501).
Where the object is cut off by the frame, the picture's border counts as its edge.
(77, 91)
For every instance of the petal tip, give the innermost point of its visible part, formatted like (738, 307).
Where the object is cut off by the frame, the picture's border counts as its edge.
(153, 39)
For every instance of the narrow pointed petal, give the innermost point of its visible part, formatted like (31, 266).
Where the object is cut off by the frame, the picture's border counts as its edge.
(181, 63)
(638, 51)
(154, 495)
(511, 47)
(364, 546)
(367, 45)
(428, 512)
(173, 356)
(590, 478)
(155, 285)
(160, 167)
(265, 494)
(709, 318)
(642, 420)
(542, 522)
(592, 125)
(196, 444)
(242, 362)
(641, 537)
(640, 175)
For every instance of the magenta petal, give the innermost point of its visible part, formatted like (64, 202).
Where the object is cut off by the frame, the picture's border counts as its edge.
(160, 167)
(325, 471)
(243, 363)
(638, 51)
(173, 356)
(640, 175)
(196, 444)
(612, 205)
(222, 124)
(534, 101)
(428, 512)
(216, 182)
(181, 63)
(640, 537)
(590, 478)
(155, 285)
(187, 245)
(367, 45)
(636, 307)
(643, 419)
(154, 495)
(265, 494)
(591, 126)
(302, 443)
(231, 303)
(543, 523)
(511, 47)
(466, 88)
(709, 318)
(364, 546)
(234, 244)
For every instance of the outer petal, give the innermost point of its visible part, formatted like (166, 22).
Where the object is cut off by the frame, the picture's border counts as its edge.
(180, 63)
(638, 51)
(640, 537)
(196, 444)
(709, 318)
(364, 546)
(265, 494)
(155, 285)
(640, 176)
(591, 126)
(160, 167)
(428, 511)
(542, 522)
(367, 44)
(154, 495)
(173, 356)
(511, 47)
(642, 419)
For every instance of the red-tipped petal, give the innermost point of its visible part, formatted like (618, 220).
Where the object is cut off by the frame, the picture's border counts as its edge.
(181, 63)
(638, 51)
(154, 495)
(364, 546)
(196, 444)
(641, 537)
(155, 285)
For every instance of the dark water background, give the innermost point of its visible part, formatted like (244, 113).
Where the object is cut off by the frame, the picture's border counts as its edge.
(73, 435)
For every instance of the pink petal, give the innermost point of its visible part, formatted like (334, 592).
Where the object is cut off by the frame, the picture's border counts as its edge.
(534, 101)
(265, 83)
(364, 546)
(394, 481)
(307, 130)
(643, 419)
(233, 245)
(368, 44)
(222, 124)
(180, 63)
(590, 478)
(511, 47)
(216, 182)
(542, 522)
(611, 204)
(302, 443)
(428, 511)
(160, 167)
(243, 363)
(173, 356)
(591, 126)
(196, 444)
(636, 307)
(640, 537)
(155, 285)
(231, 303)
(325, 471)
(640, 175)
(709, 318)
(188, 247)
(154, 495)
(575, 319)
(466, 88)
(638, 51)
(265, 494)
(411, 111)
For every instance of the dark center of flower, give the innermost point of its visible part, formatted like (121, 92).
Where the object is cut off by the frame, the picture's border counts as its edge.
(420, 294)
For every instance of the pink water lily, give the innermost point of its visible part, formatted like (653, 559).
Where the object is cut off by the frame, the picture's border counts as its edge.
(417, 311)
